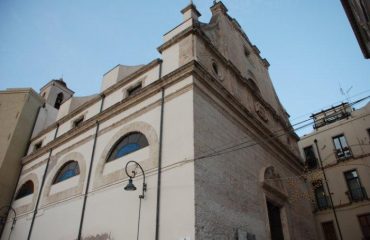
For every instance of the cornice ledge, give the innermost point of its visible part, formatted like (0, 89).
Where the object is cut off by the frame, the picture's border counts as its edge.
(97, 98)
(178, 37)
(148, 91)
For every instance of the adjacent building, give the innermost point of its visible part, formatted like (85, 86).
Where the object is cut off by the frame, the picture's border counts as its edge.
(18, 113)
(358, 13)
(337, 156)
(204, 123)
(23, 113)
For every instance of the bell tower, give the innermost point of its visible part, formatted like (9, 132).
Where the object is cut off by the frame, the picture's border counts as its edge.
(56, 92)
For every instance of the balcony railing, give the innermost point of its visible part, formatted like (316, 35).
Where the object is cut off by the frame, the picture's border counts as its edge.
(343, 154)
(311, 162)
(357, 194)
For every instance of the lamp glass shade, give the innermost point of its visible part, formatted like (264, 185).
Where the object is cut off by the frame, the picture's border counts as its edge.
(130, 186)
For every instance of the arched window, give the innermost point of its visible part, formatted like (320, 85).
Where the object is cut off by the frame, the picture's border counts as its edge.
(59, 100)
(68, 170)
(128, 144)
(25, 190)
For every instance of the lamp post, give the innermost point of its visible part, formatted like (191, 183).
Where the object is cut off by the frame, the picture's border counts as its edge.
(4, 217)
(131, 187)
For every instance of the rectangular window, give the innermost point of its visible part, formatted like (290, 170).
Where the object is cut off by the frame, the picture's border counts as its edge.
(355, 190)
(368, 133)
(311, 160)
(341, 147)
(78, 121)
(365, 225)
(134, 89)
(329, 230)
(322, 200)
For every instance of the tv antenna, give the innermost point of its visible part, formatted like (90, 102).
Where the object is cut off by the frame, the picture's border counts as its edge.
(345, 93)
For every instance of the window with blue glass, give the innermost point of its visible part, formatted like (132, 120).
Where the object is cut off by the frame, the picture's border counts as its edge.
(25, 190)
(68, 170)
(128, 144)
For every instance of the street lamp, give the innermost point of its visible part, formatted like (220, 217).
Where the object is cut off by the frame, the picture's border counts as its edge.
(130, 186)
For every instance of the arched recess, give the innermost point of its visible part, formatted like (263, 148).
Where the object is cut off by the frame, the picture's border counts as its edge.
(151, 162)
(275, 193)
(21, 207)
(77, 189)
(59, 100)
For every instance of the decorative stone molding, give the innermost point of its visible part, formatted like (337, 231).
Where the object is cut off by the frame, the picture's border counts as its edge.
(276, 193)
(261, 111)
(152, 162)
(272, 183)
(55, 165)
(28, 206)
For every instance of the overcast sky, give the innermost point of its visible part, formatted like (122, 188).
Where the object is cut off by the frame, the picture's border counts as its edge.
(309, 44)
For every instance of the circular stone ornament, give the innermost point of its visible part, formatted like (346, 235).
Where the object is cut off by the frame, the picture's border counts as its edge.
(261, 111)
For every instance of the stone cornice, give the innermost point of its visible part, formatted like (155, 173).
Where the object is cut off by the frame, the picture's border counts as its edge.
(148, 91)
(274, 144)
(191, 7)
(97, 98)
(184, 71)
(178, 37)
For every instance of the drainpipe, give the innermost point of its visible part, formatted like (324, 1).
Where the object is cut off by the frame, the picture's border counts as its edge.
(327, 186)
(42, 186)
(159, 161)
(90, 170)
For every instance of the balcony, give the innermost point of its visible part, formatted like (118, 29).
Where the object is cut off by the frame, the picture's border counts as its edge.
(311, 162)
(343, 153)
(357, 194)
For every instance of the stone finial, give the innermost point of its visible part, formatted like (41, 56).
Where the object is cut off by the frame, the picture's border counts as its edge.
(217, 7)
(190, 11)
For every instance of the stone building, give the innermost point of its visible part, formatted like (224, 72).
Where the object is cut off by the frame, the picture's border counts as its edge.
(18, 113)
(337, 153)
(358, 13)
(207, 128)
(23, 112)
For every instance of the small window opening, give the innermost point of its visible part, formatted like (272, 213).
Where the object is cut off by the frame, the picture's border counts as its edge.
(25, 190)
(246, 52)
(59, 100)
(78, 121)
(310, 157)
(215, 67)
(37, 146)
(133, 90)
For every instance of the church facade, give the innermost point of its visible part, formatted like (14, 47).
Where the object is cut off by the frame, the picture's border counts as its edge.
(202, 127)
